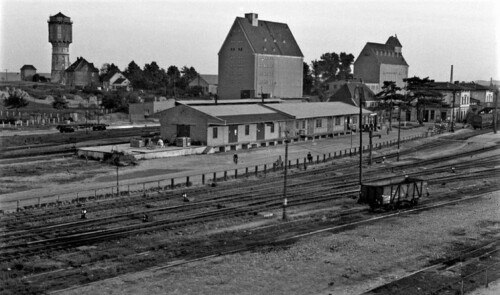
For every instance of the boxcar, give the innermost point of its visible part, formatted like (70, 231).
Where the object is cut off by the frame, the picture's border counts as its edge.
(390, 194)
(484, 119)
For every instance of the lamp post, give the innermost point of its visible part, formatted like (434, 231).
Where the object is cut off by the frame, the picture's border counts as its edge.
(360, 137)
(285, 201)
(399, 131)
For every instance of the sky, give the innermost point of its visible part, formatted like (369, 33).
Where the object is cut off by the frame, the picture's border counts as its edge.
(434, 34)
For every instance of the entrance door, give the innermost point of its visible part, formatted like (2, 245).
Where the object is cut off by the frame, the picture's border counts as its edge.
(261, 131)
(408, 115)
(233, 133)
(183, 131)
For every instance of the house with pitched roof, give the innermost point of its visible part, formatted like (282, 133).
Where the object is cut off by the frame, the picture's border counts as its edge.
(81, 73)
(115, 80)
(260, 59)
(242, 126)
(27, 72)
(208, 84)
(346, 93)
(381, 62)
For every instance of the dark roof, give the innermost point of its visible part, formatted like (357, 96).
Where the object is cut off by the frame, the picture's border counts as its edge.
(270, 38)
(474, 86)
(385, 54)
(59, 18)
(110, 74)
(393, 41)
(119, 81)
(446, 86)
(79, 63)
(28, 67)
(346, 94)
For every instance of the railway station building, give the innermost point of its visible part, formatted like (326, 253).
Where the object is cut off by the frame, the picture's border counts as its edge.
(243, 126)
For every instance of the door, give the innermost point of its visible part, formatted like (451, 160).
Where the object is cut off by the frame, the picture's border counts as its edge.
(408, 115)
(261, 131)
(233, 133)
(183, 131)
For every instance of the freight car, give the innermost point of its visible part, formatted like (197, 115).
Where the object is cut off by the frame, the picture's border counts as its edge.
(484, 119)
(74, 127)
(394, 193)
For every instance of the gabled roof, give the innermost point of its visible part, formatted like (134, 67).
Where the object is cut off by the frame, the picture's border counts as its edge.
(28, 67)
(393, 41)
(110, 74)
(119, 81)
(270, 38)
(241, 114)
(306, 110)
(475, 87)
(447, 86)
(345, 94)
(385, 54)
(209, 79)
(79, 63)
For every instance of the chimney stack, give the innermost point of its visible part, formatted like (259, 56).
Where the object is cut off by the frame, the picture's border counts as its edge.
(253, 18)
(451, 75)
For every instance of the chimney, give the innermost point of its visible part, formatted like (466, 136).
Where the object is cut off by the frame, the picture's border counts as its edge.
(253, 18)
(451, 75)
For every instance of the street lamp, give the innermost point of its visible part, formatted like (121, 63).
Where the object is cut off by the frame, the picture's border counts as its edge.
(359, 92)
(399, 131)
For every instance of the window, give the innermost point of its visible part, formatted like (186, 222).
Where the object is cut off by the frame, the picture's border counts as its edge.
(247, 129)
(59, 32)
(432, 114)
(319, 123)
(215, 132)
(297, 125)
(337, 121)
(272, 127)
(304, 124)
(355, 120)
(240, 49)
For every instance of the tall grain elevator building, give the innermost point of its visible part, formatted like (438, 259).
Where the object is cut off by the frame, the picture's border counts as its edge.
(60, 35)
(381, 62)
(260, 59)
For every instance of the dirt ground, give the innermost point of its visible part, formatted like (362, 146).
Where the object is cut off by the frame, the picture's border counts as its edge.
(349, 262)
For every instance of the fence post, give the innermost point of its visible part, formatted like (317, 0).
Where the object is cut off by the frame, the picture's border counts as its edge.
(462, 287)
(144, 189)
(235, 173)
(265, 168)
(215, 177)
(486, 275)
(203, 179)
(225, 175)
(305, 166)
(329, 156)
(172, 183)
(95, 194)
(317, 159)
(297, 164)
(256, 170)
(187, 181)
(246, 171)
(17, 209)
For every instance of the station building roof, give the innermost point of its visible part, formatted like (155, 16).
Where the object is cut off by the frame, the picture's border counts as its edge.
(316, 109)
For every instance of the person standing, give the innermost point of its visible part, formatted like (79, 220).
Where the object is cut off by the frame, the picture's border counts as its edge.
(235, 158)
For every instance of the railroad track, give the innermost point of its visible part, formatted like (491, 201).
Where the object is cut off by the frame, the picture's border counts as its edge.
(84, 232)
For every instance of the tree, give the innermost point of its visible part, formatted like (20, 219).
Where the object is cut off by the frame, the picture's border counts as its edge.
(60, 102)
(17, 99)
(329, 64)
(387, 98)
(188, 75)
(422, 94)
(134, 73)
(106, 68)
(346, 61)
(307, 83)
(173, 78)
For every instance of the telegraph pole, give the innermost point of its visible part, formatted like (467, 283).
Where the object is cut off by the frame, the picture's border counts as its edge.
(285, 201)
(360, 138)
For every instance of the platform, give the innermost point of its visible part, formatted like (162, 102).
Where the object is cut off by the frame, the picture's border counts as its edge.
(141, 153)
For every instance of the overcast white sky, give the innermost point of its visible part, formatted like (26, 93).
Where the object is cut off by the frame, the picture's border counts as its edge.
(434, 34)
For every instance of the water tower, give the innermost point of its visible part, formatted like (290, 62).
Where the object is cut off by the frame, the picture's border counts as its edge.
(60, 35)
